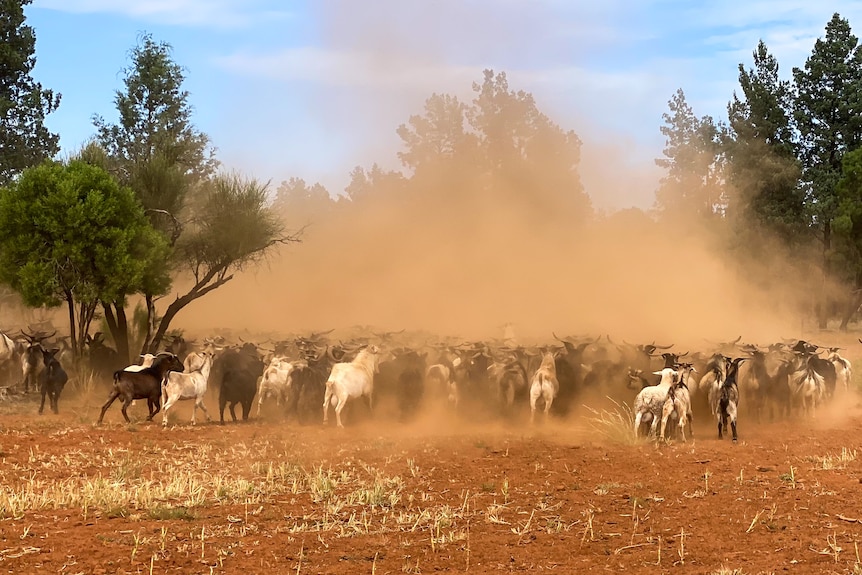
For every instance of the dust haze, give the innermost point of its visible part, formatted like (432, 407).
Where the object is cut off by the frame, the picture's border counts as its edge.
(464, 264)
(406, 266)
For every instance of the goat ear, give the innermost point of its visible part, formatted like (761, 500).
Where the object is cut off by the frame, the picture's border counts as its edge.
(656, 373)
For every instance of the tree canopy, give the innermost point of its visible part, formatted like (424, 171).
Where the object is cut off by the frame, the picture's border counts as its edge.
(24, 139)
(70, 233)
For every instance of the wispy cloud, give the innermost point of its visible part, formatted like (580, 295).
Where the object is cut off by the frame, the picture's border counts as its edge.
(205, 13)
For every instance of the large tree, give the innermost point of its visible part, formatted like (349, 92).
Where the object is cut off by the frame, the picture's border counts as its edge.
(71, 234)
(828, 114)
(155, 131)
(848, 230)
(763, 171)
(216, 224)
(528, 156)
(499, 147)
(24, 139)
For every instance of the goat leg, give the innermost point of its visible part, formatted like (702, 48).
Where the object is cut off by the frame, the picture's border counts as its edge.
(114, 395)
(126, 403)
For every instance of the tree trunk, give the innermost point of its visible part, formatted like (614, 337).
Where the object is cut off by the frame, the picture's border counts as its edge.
(85, 317)
(115, 317)
(200, 289)
(151, 323)
(74, 340)
(123, 328)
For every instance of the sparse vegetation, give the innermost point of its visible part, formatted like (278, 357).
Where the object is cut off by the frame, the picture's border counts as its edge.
(615, 425)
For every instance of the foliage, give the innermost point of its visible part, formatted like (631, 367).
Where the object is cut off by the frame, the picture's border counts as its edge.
(762, 168)
(71, 233)
(828, 115)
(232, 228)
(24, 139)
(155, 126)
(500, 147)
(296, 201)
(216, 224)
(692, 160)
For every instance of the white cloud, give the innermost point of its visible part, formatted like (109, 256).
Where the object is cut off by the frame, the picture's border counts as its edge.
(207, 13)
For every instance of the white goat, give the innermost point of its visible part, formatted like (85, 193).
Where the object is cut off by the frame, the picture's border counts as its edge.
(276, 380)
(714, 375)
(187, 385)
(440, 380)
(351, 380)
(650, 400)
(843, 368)
(544, 384)
(679, 401)
(806, 386)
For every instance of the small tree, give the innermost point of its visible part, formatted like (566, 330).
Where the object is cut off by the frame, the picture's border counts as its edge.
(71, 233)
(232, 228)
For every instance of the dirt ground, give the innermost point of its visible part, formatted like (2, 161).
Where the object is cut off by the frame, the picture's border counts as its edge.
(440, 495)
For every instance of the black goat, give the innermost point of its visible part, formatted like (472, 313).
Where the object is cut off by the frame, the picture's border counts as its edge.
(727, 403)
(236, 373)
(52, 379)
(144, 384)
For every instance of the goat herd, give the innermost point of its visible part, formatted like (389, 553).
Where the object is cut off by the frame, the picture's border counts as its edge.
(479, 380)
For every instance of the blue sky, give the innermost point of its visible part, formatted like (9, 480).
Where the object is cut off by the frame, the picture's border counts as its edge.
(313, 88)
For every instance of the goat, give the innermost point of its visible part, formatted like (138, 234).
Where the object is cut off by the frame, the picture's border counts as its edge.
(10, 356)
(31, 358)
(714, 374)
(236, 372)
(724, 399)
(351, 380)
(679, 401)
(189, 385)
(104, 360)
(144, 384)
(650, 400)
(806, 385)
(843, 368)
(510, 380)
(544, 384)
(637, 380)
(52, 379)
(276, 380)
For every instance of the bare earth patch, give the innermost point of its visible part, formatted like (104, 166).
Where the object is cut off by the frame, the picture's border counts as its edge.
(440, 495)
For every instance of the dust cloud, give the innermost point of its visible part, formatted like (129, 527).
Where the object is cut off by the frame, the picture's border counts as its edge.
(464, 268)
(465, 262)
